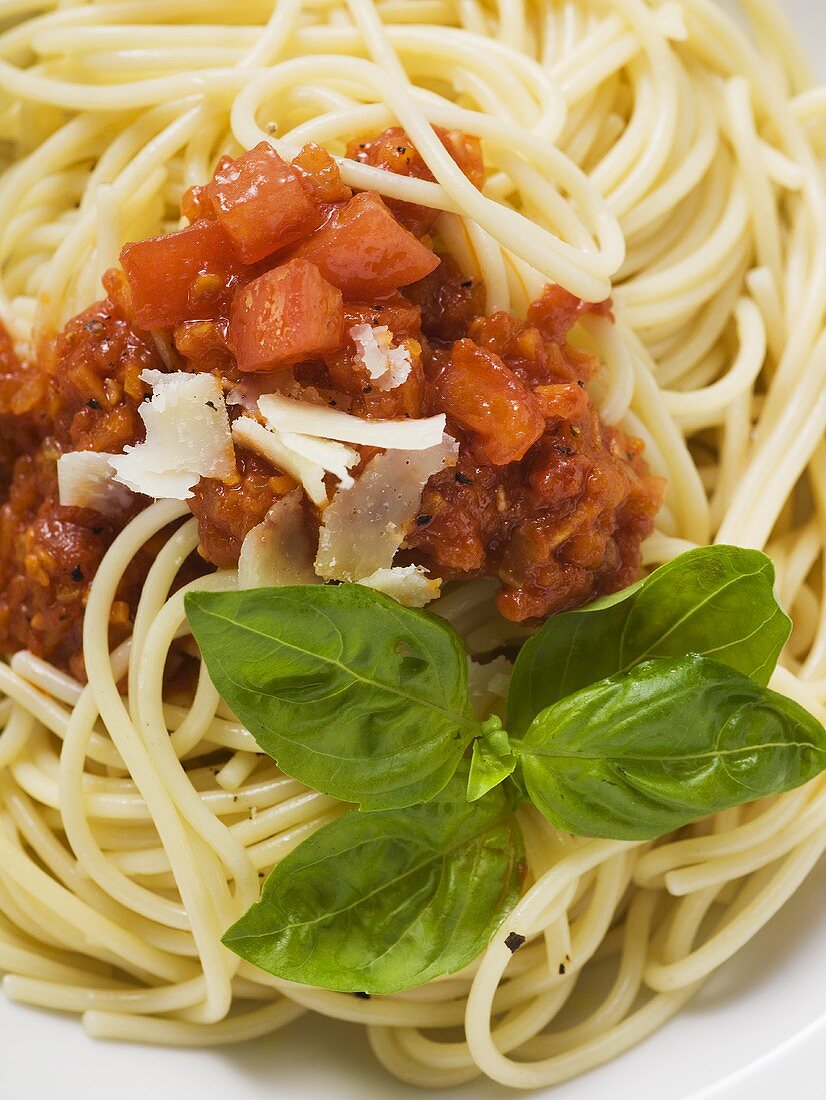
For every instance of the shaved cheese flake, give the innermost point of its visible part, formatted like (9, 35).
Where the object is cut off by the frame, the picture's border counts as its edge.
(335, 458)
(187, 437)
(387, 366)
(86, 479)
(364, 526)
(407, 584)
(280, 549)
(270, 446)
(287, 415)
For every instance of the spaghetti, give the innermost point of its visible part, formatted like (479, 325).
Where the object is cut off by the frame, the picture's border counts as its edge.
(650, 150)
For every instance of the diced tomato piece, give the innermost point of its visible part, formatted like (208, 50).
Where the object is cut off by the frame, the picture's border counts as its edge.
(196, 204)
(479, 392)
(392, 150)
(320, 175)
(466, 150)
(557, 311)
(364, 251)
(183, 275)
(260, 201)
(562, 401)
(286, 315)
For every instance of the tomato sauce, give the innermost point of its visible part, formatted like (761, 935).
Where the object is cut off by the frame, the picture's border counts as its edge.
(279, 262)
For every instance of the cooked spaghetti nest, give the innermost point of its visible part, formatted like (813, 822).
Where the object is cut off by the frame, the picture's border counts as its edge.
(651, 150)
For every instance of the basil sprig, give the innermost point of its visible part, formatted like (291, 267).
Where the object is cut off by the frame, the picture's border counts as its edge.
(646, 751)
(347, 690)
(380, 902)
(628, 719)
(717, 601)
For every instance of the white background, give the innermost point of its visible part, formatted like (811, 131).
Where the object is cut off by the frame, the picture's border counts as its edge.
(757, 1031)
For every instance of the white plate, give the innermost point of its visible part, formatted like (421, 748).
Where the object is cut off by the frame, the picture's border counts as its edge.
(757, 1031)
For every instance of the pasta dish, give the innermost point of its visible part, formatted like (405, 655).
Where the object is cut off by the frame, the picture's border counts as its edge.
(412, 516)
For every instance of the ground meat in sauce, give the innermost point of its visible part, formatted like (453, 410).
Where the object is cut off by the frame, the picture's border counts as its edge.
(82, 394)
(562, 525)
(545, 496)
(226, 513)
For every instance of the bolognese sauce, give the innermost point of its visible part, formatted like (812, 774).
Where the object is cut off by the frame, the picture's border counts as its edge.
(545, 496)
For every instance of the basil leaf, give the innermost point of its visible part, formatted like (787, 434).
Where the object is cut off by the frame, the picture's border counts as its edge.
(647, 751)
(717, 601)
(492, 760)
(347, 690)
(380, 902)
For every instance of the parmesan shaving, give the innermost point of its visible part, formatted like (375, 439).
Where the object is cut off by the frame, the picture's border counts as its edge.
(279, 550)
(303, 457)
(187, 437)
(387, 366)
(270, 446)
(335, 458)
(86, 479)
(365, 525)
(284, 414)
(408, 584)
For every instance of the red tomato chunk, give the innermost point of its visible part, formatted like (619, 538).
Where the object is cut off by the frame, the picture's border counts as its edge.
(365, 252)
(262, 204)
(320, 175)
(479, 392)
(287, 315)
(183, 275)
(393, 151)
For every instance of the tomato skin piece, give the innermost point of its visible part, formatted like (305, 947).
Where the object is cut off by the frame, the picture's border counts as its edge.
(364, 251)
(481, 393)
(285, 316)
(262, 204)
(180, 276)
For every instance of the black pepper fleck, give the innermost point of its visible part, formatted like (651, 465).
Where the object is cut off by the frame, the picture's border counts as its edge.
(97, 529)
(77, 573)
(467, 284)
(463, 479)
(562, 968)
(93, 403)
(211, 405)
(423, 520)
(580, 383)
(514, 941)
(367, 389)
